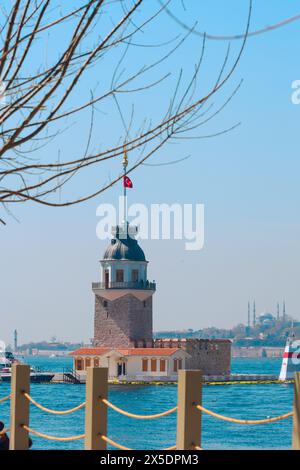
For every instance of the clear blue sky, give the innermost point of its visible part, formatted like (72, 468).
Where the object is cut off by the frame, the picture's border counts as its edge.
(248, 180)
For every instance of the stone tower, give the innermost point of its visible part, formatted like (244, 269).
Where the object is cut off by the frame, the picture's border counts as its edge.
(123, 299)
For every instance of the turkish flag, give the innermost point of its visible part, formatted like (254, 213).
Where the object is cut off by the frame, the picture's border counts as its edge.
(127, 183)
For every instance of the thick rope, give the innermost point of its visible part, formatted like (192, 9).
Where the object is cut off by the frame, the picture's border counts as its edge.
(131, 415)
(54, 412)
(2, 400)
(4, 431)
(244, 421)
(121, 447)
(53, 438)
(113, 443)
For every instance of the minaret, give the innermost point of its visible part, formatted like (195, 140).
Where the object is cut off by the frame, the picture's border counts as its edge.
(283, 311)
(254, 313)
(249, 321)
(278, 311)
(123, 298)
(15, 341)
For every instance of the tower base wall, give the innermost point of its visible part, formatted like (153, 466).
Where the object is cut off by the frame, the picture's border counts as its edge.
(125, 322)
(211, 356)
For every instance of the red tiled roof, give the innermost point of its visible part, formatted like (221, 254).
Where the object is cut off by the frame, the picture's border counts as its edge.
(126, 352)
(90, 351)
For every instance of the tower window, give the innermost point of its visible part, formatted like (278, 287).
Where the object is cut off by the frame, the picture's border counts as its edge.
(135, 275)
(105, 303)
(106, 278)
(120, 275)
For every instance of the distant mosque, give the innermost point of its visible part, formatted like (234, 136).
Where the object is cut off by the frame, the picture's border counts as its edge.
(265, 318)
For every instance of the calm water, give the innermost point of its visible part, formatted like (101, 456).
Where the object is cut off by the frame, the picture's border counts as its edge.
(242, 401)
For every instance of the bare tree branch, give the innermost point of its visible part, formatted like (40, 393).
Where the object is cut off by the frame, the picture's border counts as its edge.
(42, 94)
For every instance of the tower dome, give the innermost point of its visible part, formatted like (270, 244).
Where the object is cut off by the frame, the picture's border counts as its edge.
(123, 245)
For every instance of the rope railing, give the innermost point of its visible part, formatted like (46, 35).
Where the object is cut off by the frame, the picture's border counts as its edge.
(244, 421)
(189, 411)
(113, 443)
(52, 438)
(4, 431)
(135, 416)
(49, 410)
(4, 399)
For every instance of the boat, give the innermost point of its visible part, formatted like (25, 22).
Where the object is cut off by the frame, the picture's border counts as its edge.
(291, 359)
(7, 360)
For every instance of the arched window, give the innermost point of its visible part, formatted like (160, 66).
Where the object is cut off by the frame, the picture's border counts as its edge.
(78, 363)
(145, 365)
(135, 275)
(96, 362)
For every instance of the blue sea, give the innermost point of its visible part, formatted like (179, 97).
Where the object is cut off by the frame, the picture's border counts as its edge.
(241, 401)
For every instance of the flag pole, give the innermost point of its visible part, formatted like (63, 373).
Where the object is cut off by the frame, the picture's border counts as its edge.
(125, 164)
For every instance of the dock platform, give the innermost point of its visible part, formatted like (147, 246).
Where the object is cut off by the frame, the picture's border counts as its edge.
(231, 379)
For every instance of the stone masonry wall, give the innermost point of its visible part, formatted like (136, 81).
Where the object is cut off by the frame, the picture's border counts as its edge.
(123, 323)
(212, 356)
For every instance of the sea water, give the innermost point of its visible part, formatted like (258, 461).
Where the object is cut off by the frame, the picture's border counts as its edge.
(240, 401)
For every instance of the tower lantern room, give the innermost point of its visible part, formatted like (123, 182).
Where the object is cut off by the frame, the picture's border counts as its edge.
(124, 263)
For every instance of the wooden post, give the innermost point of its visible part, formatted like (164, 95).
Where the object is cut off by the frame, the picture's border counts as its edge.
(188, 417)
(296, 417)
(95, 410)
(19, 407)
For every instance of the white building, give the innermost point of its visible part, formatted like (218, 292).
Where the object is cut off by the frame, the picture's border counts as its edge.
(134, 364)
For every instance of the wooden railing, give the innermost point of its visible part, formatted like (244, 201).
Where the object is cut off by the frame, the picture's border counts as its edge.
(189, 411)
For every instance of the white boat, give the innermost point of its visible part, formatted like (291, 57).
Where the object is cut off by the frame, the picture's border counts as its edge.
(7, 360)
(291, 359)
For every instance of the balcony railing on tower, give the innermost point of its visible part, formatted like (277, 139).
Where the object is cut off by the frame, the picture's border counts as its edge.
(125, 285)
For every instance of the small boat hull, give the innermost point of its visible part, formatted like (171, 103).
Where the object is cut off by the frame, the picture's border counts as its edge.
(35, 377)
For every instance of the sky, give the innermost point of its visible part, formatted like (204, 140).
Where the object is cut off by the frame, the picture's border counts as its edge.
(247, 179)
